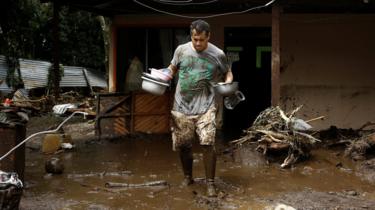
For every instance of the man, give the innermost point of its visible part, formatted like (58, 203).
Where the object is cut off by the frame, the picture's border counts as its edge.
(198, 64)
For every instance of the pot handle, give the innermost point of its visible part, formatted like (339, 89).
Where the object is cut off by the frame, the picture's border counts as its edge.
(240, 95)
(217, 84)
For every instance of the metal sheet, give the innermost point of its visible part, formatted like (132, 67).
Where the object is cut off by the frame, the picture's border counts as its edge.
(34, 73)
(95, 78)
(73, 77)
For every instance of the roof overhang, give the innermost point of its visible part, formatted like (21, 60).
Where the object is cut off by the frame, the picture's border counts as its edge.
(139, 7)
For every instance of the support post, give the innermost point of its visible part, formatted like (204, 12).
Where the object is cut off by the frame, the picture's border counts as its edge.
(275, 66)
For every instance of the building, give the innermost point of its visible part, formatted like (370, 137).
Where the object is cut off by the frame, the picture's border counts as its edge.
(318, 54)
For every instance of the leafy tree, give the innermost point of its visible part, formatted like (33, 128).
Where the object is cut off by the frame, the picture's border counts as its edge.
(20, 33)
(81, 38)
(26, 32)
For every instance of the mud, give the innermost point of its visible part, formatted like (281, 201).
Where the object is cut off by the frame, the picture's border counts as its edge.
(245, 180)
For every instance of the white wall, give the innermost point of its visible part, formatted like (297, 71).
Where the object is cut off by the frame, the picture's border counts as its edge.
(328, 66)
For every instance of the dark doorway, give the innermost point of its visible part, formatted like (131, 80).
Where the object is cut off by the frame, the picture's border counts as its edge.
(249, 48)
(153, 48)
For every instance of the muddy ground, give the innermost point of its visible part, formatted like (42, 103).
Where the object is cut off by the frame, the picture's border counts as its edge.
(328, 180)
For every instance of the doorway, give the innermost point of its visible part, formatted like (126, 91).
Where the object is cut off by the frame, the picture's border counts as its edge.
(249, 49)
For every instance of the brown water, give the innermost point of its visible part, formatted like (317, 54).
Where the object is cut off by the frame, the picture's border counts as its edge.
(151, 159)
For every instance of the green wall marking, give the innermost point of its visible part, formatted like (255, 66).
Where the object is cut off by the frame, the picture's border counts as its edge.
(235, 48)
(260, 50)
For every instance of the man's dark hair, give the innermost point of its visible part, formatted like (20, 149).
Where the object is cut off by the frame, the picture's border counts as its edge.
(200, 26)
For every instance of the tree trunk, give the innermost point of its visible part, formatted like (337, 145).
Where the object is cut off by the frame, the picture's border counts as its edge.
(105, 23)
(56, 51)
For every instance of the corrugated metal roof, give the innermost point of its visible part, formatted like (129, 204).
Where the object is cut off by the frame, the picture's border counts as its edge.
(95, 78)
(3, 67)
(73, 77)
(35, 74)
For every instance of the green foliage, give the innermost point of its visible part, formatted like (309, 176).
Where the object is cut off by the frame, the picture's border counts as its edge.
(82, 40)
(52, 75)
(13, 79)
(26, 32)
(19, 31)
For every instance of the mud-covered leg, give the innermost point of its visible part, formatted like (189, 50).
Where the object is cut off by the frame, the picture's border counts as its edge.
(186, 157)
(209, 158)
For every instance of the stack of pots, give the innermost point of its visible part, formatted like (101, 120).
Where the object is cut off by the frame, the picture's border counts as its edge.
(157, 81)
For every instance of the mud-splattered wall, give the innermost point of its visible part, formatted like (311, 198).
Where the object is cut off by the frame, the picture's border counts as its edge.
(327, 61)
(328, 65)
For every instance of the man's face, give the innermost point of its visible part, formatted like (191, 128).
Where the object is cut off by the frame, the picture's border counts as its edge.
(199, 40)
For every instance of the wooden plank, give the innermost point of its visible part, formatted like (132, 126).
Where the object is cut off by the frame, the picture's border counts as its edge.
(113, 115)
(151, 113)
(152, 124)
(148, 103)
(147, 113)
(132, 108)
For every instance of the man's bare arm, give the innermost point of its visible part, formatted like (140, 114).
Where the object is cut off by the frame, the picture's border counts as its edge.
(229, 76)
(173, 68)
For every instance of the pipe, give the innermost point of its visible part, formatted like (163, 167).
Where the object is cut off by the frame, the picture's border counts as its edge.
(43, 132)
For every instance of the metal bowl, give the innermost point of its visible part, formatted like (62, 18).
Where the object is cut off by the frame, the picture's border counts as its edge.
(163, 74)
(153, 86)
(226, 89)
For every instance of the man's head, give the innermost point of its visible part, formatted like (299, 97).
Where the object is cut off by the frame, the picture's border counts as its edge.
(200, 34)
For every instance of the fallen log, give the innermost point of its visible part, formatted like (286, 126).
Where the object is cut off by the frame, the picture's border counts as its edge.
(102, 174)
(96, 188)
(153, 193)
(146, 184)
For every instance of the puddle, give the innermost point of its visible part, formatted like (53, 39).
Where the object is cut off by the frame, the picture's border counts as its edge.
(152, 159)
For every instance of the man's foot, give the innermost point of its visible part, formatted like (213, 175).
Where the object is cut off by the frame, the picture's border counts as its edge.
(188, 180)
(211, 190)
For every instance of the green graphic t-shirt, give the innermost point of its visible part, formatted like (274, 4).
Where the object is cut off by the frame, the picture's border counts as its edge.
(196, 73)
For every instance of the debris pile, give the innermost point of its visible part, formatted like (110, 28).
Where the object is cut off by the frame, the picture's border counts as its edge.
(13, 116)
(8, 179)
(359, 144)
(361, 148)
(68, 103)
(11, 189)
(21, 99)
(276, 131)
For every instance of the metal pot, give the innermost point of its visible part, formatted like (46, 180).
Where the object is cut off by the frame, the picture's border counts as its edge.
(226, 89)
(153, 86)
(231, 101)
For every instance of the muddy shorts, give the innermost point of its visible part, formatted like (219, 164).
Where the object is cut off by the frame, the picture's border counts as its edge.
(186, 127)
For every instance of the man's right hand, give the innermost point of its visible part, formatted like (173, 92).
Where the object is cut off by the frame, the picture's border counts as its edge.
(167, 71)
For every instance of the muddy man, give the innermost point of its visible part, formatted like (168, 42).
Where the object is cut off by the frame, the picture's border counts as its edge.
(198, 64)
